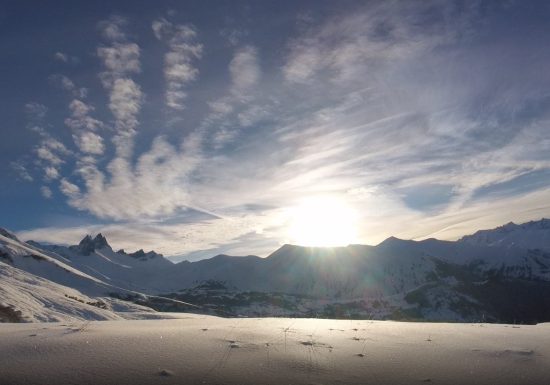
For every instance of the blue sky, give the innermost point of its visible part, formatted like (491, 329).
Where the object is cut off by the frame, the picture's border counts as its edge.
(197, 128)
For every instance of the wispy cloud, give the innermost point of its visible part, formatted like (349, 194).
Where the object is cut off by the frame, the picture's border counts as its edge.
(51, 173)
(243, 105)
(46, 192)
(63, 57)
(21, 171)
(245, 71)
(179, 69)
(84, 127)
(36, 112)
(50, 153)
(69, 189)
(156, 187)
(169, 239)
(121, 60)
(66, 84)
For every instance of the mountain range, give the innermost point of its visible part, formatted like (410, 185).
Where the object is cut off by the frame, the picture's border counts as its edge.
(498, 275)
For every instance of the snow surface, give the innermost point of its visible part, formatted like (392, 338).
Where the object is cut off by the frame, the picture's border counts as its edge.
(210, 350)
(34, 299)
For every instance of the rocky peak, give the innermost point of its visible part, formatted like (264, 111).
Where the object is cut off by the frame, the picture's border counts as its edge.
(143, 256)
(543, 224)
(88, 244)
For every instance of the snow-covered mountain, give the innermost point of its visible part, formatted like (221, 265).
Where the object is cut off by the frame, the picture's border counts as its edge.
(140, 271)
(429, 279)
(33, 260)
(34, 286)
(530, 235)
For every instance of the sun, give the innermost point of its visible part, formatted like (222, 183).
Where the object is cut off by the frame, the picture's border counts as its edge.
(323, 222)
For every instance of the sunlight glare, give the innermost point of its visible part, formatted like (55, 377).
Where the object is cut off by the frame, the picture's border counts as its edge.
(323, 221)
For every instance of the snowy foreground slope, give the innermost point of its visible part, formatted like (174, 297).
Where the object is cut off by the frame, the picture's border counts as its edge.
(35, 287)
(27, 298)
(210, 350)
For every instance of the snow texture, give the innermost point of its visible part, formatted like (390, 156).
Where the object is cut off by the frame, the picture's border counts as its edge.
(210, 350)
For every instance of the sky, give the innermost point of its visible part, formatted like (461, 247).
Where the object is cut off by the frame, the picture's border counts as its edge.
(197, 128)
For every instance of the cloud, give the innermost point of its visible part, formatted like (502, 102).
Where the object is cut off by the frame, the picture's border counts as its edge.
(374, 36)
(21, 171)
(179, 70)
(62, 82)
(46, 154)
(113, 28)
(155, 187)
(46, 192)
(51, 173)
(52, 151)
(244, 70)
(243, 105)
(156, 184)
(69, 189)
(121, 59)
(125, 103)
(233, 36)
(221, 107)
(80, 117)
(89, 143)
(303, 62)
(252, 115)
(66, 84)
(168, 239)
(63, 57)
(35, 111)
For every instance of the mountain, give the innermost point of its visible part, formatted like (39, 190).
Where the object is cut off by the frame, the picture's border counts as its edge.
(89, 245)
(34, 286)
(140, 271)
(25, 297)
(496, 275)
(530, 235)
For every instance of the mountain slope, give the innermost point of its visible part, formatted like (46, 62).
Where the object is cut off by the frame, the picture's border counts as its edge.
(25, 297)
(138, 271)
(35, 287)
(33, 260)
(530, 235)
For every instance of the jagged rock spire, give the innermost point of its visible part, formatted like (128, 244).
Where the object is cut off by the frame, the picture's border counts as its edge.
(88, 244)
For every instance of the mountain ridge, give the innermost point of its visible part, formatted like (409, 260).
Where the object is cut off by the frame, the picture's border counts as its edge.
(90, 243)
(428, 279)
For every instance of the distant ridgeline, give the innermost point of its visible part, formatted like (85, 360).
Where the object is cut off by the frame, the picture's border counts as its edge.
(499, 275)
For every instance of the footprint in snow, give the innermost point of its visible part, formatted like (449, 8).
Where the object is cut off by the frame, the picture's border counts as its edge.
(165, 373)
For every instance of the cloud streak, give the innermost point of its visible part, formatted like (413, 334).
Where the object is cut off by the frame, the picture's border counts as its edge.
(183, 50)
